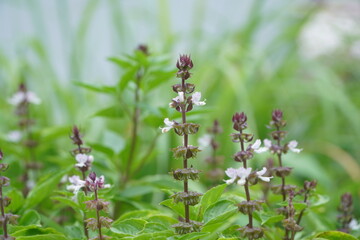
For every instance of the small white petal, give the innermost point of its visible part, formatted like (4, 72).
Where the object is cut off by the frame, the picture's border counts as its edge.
(354, 225)
(261, 150)
(231, 172)
(292, 146)
(196, 99)
(265, 179)
(262, 172)
(229, 181)
(243, 172)
(256, 144)
(32, 98)
(205, 141)
(17, 98)
(165, 129)
(91, 158)
(241, 181)
(168, 122)
(14, 136)
(267, 143)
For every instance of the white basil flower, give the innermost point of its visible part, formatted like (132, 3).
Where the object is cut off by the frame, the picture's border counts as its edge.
(243, 173)
(169, 125)
(14, 136)
(354, 225)
(256, 147)
(232, 174)
(261, 173)
(76, 184)
(196, 99)
(82, 159)
(292, 146)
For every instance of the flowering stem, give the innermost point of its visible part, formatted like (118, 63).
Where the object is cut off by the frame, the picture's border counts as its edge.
(83, 172)
(246, 185)
(135, 126)
(302, 211)
(183, 115)
(98, 215)
(3, 213)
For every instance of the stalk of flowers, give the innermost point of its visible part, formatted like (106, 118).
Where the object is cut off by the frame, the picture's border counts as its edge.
(290, 224)
(83, 164)
(4, 202)
(22, 100)
(278, 149)
(94, 184)
(244, 176)
(184, 103)
(214, 174)
(345, 218)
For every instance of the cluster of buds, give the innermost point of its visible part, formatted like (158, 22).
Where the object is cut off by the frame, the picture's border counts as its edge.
(346, 219)
(275, 147)
(215, 173)
(5, 201)
(22, 100)
(83, 161)
(94, 184)
(244, 176)
(290, 224)
(184, 102)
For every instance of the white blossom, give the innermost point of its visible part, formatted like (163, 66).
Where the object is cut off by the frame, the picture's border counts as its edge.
(204, 141)
(232, 174)
(256, 147)
(76, 184)
(21, 96)
(83, 159)
(14, 136)
(180, 97)
(354, 224)
(169, 125)
(292, 146)
(196, 99)
(261, 173)
(239, 174)
(243, 173)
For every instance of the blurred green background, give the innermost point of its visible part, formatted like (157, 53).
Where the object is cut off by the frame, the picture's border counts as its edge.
(254, 56)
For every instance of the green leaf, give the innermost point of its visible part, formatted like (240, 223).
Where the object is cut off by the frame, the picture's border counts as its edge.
(129, 226)
(194, 236)
(267, 218)
(154, 227)
(319, 200)
(110, 112)
(17, 200)
(43, 237)
(30, 217)
(178, 208)
(44, 188)
(136, 214)
(100, 89)
(335, 235)
(216, 210)
(67, 202)
(211, 196)
(123, 63)
(127, 77)
(31, 230)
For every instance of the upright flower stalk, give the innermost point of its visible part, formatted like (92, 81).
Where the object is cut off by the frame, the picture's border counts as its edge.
(244, 176)
(184, 103)
(22, 100)
(345, 218)
(4, 202)
(83, 164)
(215, 173)
(278, 148)
(94, 184)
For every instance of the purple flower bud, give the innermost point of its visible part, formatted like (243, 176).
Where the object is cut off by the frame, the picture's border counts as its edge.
(144, 49)
(239, 120)
(92, 176)
(277, 115)
(76, 137)
(185, 63)
(22, 87)
(1, 155)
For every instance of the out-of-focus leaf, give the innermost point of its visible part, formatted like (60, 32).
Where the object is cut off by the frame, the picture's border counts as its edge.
(194, 236)
(335, 235)
(44, 188)
(211, 196)
(129, 226)
(17, 200)
(123, 63)
(110, 112)
(99, 89)
(30, 217)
